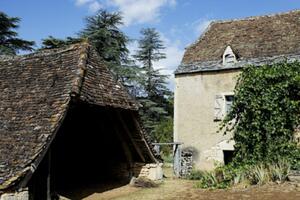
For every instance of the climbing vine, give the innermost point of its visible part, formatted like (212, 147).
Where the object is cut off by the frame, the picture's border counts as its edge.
(265, 113)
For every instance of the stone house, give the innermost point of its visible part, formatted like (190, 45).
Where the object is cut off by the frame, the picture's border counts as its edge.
(206, 78)
(67, 125)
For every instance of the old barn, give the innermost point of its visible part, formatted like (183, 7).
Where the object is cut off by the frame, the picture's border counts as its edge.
(66, 125)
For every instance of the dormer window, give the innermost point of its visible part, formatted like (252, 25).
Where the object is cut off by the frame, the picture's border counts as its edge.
(229, 57)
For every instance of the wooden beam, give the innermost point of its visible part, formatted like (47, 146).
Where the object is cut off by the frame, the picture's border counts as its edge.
(49, 175)
(168, 143)
(130, 136)
(140, 131)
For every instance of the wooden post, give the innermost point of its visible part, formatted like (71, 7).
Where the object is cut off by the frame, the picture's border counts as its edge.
(177, 159)
(49, 175)
(138, 128)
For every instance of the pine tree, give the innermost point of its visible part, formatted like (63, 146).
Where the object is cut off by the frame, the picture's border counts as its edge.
(52, 42)
(149, 51)
(155, 97)
(103, 31)
(10, 44)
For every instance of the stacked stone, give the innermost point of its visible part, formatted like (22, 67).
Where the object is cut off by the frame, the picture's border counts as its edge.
(186, 163)
(152, 171)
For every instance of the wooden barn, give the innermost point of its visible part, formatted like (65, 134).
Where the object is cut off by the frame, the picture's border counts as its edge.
(66, 125)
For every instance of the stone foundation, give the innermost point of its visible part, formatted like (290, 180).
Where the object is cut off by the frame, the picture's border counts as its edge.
(151, 171)
(23, 195)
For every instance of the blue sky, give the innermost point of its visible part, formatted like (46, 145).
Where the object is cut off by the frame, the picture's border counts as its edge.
(180, 22)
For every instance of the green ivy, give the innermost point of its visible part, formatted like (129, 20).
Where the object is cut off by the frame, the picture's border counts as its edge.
(265, 113)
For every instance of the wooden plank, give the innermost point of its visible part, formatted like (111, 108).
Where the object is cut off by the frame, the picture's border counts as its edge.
(130, 137)
(168, 143)
(49, 175)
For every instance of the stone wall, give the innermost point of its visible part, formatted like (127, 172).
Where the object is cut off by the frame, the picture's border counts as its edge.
(194, 112)
(186, 163)
(23, 195)
(152, 171)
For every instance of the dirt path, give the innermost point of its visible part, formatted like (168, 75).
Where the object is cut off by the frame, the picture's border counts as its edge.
(177, 189)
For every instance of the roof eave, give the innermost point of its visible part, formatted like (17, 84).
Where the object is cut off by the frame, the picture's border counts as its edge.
(213, 66)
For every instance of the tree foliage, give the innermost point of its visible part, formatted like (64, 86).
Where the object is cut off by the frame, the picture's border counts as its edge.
(156, 96)
(10, 44)
(265, 113)
(103, 31)
(52, 42)
(149, 51)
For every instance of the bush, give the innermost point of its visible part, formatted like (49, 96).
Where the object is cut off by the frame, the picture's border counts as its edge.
(258, 174)
(279, 171)
(226, 176)
(195, 175)
(210, 179)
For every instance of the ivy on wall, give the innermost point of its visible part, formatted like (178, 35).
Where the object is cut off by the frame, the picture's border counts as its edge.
(265, 113)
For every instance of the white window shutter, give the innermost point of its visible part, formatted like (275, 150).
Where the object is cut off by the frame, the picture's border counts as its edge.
(218, 110)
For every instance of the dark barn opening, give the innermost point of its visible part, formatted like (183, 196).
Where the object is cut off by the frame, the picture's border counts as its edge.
(228, 156)
(91, 152)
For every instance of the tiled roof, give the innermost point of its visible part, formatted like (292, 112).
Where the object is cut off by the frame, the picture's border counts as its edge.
(250, 38)
(36, 90)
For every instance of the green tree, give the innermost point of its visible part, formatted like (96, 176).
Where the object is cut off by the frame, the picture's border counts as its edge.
(265, 113)
(150, 51)
(103, 31)
(52, 42)
(155, 92)
(10, 44)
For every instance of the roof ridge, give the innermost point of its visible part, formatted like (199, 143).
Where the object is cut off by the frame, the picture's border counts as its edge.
(238, 19)
(45, 52)
(84, 48)
(257, 16)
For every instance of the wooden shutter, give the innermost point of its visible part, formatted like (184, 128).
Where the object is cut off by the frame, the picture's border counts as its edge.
(218, 109)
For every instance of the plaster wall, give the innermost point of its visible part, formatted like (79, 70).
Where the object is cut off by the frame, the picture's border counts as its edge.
(194, 123)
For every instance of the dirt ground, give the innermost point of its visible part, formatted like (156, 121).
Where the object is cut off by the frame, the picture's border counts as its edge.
(178, 189)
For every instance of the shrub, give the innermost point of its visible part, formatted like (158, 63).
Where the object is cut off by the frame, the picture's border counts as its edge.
(259, 174)
(210, 179)
(226, 176)
(279, 171)
(195, 175)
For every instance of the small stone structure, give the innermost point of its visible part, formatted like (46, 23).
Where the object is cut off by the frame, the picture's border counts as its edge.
(152, 171)
(294, 176)
(23, 195)
(186, 163)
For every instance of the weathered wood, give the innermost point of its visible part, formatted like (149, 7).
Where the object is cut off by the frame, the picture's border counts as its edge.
(140, 130)
(177, 160)
(140, 153)
(168, 143)
(49, 175)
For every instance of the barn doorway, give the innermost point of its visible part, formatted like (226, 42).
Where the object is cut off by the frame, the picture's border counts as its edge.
(88, 154)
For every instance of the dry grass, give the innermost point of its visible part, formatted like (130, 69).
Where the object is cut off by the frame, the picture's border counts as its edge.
(178, 189)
